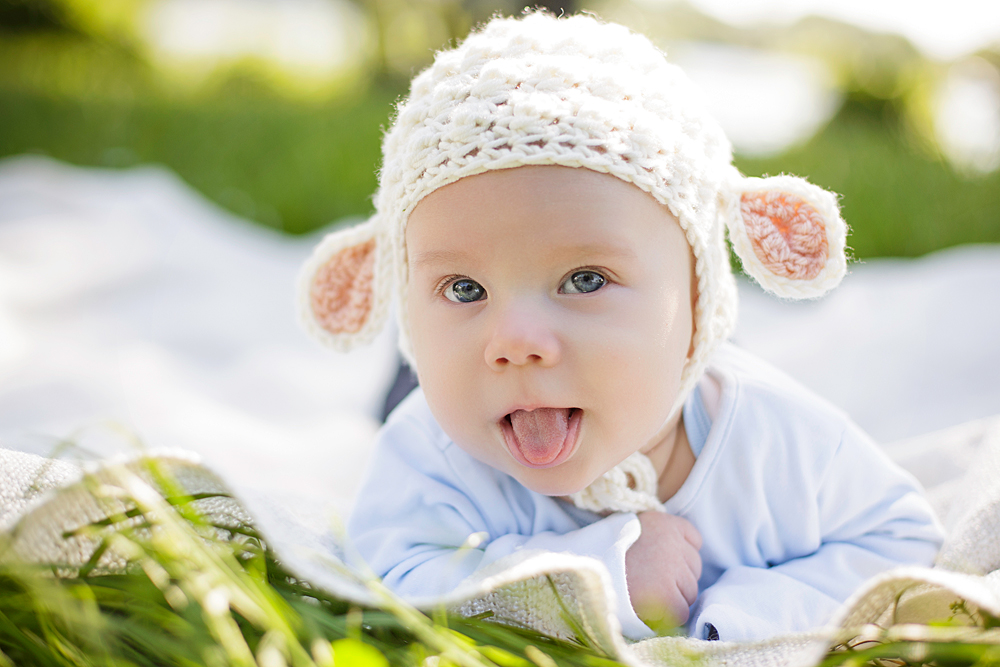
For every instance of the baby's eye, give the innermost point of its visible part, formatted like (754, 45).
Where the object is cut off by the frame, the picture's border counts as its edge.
(582, 282)
(465, 291)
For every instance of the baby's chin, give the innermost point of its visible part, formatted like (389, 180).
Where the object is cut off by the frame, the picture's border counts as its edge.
(553, 482)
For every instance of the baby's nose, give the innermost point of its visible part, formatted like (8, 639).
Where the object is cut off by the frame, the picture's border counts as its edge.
(522, 338)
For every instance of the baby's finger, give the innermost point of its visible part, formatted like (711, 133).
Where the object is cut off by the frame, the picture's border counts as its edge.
(687, 585)
(691, 533)
(693, 561)
(680, 606)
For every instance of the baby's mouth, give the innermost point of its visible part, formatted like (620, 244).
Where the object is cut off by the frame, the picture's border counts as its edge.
(543, 437)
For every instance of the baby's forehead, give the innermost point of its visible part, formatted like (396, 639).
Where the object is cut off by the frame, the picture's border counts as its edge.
(535, 190)
(540, 210)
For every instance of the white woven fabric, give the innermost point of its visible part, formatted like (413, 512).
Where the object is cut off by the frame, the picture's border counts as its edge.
(560, 594)
(631, 486)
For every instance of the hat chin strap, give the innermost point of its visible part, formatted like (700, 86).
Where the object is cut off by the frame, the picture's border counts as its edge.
(631, 486)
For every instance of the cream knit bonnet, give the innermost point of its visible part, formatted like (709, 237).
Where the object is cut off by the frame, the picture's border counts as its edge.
(576, 92)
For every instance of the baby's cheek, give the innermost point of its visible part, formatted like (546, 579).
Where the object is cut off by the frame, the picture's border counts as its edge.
(650, 386)
(455, 398)
(443, 390)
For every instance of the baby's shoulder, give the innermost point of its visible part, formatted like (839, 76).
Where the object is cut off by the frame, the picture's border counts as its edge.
(759, 398)
(412, 439)
(413, 419)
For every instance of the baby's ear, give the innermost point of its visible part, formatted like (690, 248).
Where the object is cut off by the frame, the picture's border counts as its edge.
(789, 235)
(344, 290)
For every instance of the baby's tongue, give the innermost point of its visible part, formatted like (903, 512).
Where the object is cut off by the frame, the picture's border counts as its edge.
(540, 434)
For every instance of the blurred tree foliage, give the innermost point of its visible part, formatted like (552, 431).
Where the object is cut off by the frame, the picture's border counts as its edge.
(32, 15)
(897, 199)
(76, 86)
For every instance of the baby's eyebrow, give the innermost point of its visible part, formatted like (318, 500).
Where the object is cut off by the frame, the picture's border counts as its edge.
(584, 250)
(436, 257)
(598, 250)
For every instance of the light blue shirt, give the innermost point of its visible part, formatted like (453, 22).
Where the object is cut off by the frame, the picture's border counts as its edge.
(795, 504)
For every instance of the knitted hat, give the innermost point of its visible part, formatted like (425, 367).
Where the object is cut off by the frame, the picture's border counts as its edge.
(574, 92)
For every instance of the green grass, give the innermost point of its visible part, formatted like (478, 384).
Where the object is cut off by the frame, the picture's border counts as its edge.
(196, 593)
(126, 619)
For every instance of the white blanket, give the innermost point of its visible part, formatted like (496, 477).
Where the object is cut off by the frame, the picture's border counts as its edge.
(127, 298)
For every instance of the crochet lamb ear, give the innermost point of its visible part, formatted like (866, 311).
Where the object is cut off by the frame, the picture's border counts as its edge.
(343, 290)
(789, 235)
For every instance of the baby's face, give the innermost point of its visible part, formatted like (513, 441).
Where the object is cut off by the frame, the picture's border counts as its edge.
(551, 315)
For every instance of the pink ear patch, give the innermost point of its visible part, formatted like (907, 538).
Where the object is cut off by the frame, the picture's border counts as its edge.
(341, 293)
(787, 233)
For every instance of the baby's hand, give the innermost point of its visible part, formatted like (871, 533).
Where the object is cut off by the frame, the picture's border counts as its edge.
(662, 569)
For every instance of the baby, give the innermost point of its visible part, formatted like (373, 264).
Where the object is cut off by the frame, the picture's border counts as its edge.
(550, 220)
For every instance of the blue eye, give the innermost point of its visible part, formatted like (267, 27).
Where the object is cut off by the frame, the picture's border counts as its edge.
(583, 282)
(465, 291)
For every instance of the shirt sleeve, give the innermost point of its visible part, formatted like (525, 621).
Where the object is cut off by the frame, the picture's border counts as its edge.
(872, 517)
(427, 518)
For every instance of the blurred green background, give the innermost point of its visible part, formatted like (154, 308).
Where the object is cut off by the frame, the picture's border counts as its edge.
(287, 134)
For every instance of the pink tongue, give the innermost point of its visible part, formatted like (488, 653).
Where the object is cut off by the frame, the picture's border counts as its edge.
(540, 434)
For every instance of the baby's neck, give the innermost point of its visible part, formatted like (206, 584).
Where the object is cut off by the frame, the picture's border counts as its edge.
(672, 459)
